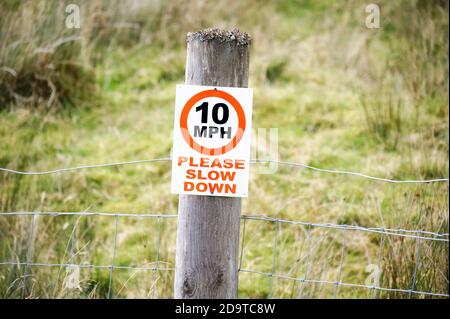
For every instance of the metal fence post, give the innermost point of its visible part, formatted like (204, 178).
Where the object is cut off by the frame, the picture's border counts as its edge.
(208, 226)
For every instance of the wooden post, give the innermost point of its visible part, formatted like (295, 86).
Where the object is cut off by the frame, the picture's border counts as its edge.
(208, 226)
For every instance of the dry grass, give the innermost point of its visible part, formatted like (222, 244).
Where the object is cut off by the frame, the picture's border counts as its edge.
(341, 95)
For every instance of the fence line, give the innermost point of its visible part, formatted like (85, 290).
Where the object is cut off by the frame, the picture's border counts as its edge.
(418, 235)
(379, 230)
(439, 237)
(18, 263)
(254, 161)
(158, 265)
(345, 284)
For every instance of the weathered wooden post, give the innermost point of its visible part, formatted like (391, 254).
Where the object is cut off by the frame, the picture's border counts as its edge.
(208, 226)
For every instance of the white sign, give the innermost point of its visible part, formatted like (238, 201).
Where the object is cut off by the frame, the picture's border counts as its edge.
(211, 140)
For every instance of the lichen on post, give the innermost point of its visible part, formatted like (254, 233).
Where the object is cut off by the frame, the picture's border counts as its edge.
(208, 226)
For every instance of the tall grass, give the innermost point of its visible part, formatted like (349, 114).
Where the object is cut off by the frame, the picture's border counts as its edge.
(384, 117)
(44, 63)
(41, 61)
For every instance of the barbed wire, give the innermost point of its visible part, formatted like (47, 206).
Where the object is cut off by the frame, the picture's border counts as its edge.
(253, 161)
(159, 265)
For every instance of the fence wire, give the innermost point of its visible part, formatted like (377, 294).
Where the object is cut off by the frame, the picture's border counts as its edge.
(272, 272)
(253, 161)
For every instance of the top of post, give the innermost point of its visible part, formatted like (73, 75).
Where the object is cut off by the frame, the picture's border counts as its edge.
(241, 38)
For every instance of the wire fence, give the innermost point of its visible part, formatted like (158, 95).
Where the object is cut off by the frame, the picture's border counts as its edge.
(316, 260)
(254, 161)
(425, 246)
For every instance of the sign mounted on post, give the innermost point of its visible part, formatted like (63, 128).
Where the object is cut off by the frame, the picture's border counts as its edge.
(211, 140)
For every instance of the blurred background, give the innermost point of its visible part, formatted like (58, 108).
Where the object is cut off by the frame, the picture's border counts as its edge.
(342, 95)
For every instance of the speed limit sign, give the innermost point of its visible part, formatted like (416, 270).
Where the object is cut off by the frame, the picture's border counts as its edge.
(211, 141)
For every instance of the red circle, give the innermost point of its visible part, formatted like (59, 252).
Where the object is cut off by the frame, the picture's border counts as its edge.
(190, 140)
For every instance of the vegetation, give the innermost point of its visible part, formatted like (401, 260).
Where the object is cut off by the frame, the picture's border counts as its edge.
(341, 95)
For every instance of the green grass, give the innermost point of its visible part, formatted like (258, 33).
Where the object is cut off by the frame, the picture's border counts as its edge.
(319, 76)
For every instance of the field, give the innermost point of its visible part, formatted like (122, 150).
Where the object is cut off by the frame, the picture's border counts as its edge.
(342, 96)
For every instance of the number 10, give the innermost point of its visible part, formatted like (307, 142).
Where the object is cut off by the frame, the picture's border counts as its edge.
(215, 112)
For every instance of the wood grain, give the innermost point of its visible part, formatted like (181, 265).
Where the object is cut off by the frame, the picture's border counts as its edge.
(208, 226)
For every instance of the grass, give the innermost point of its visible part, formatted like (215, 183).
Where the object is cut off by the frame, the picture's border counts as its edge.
(342, 96)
